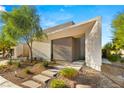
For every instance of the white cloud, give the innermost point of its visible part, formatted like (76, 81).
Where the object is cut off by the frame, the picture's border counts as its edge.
(2, 8)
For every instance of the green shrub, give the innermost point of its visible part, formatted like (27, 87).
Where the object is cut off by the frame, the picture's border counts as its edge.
(3, 66)
(113, 58)
(10, 62)
(26, 70)
(55, 83)
(68, 73)
(17, 64)
(122, 60)
(45, 64)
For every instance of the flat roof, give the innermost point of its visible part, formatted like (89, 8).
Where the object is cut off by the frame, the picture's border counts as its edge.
(73, 30)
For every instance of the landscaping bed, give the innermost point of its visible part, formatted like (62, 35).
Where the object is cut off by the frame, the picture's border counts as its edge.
(23, 71)
(86, 77)
(67, 77)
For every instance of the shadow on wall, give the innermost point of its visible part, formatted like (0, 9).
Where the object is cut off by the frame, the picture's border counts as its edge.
(39, 55)
(62, 53)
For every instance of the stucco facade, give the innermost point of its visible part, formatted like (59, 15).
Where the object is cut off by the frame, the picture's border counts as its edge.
(42, 50)
(72, 42)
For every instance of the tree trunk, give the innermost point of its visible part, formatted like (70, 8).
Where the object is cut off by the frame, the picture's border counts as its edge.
(31, 52)
(3, 52)
(30, 49)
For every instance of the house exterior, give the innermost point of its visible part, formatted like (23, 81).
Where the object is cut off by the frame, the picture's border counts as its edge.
(70, 42)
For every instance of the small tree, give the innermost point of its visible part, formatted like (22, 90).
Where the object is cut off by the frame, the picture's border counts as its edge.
(118, 31)
(5, 43)
(23, 24)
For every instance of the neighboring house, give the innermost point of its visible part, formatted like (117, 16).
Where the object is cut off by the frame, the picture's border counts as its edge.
(70, 42)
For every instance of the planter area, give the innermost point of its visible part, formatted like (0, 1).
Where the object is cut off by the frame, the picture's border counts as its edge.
(54, 75)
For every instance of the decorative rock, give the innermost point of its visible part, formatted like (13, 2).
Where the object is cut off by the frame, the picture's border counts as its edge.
(41, 78)
(82, 86)
(31, 84)
(49, 73)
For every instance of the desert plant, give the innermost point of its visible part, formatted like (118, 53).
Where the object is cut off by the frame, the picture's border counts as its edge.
(56, 83)
(68, 73)
(122, 60)
(45, 63)
(26, 70)
(17, 64)
(3, 66)
(113, 58)
(10, 62)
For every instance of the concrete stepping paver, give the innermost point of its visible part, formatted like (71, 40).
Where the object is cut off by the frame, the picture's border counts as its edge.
(9, 85)
(59, 67)
(6, 83)
(54, 70)
(31, 84)
(2, 80)
(41, 78)
(75, 67)
(49, 73)
(82, 86)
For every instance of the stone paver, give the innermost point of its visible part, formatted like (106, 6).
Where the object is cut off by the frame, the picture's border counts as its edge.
(75, 67)
(31, 84)
(2, 80)
(82, 86)
(6, 83)
(54, 70)
(49, 73)
(41, 78)
(9, 85)
(59, 67)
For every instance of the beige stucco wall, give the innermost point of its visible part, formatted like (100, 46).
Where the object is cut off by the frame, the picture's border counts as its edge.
(42, 50)
(76, 49)
(21, 50)
(82, 47)
(62, 49)
(93, 46)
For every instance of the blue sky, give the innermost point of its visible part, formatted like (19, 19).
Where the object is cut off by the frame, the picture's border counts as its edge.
(54, 15)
